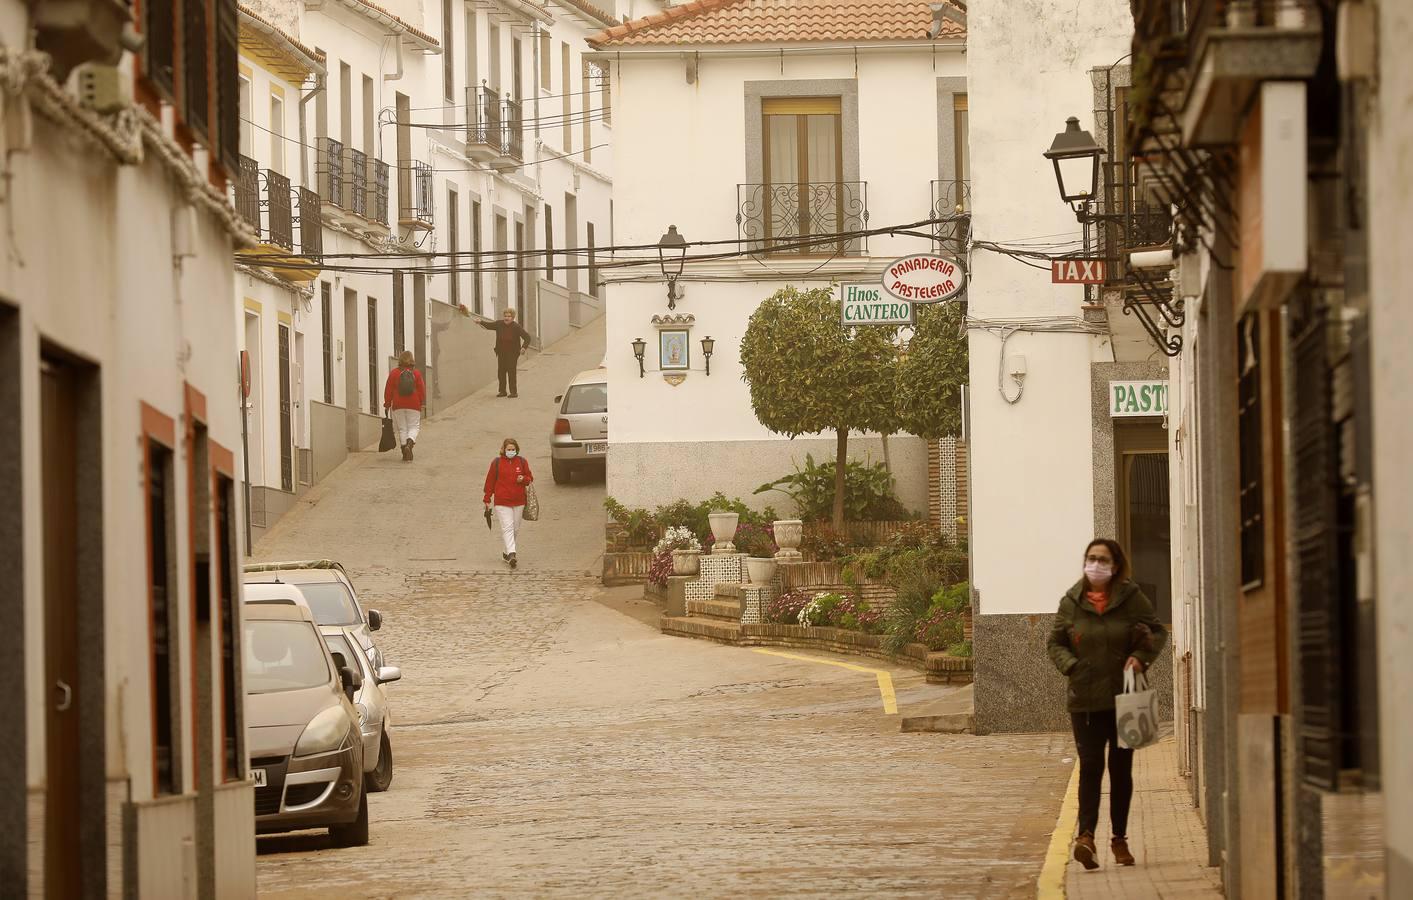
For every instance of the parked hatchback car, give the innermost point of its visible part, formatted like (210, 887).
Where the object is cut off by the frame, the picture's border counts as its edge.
(374, 710)
(580, 438)
(331, 597)
(306, 749)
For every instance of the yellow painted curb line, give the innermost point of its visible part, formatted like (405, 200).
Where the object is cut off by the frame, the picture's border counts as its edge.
(885, 680)
(1057, 858)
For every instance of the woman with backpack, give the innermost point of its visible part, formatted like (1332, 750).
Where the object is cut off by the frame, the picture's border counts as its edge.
(506, 483)
(1104, 625)
(405, 395)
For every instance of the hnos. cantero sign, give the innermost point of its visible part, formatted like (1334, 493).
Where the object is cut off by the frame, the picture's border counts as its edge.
(923, 278)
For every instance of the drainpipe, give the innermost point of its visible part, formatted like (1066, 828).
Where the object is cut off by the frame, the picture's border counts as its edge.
(396, 76)
(319, 84)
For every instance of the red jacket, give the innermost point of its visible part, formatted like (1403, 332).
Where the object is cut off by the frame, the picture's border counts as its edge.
(501, 483)
(415, 400)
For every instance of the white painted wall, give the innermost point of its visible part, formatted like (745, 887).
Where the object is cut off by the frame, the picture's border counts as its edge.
(679, 155)
(1391, 208)
(1032, 502)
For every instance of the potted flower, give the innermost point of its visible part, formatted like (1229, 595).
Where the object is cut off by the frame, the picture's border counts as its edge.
(686, 550)
(758, 543)
(723, 528)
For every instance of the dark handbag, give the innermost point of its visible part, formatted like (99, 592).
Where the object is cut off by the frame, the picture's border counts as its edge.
(389, 439)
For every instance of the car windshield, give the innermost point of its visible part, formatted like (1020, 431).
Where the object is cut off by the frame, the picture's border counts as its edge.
(331, 603)
(337, 643)
(586, 398)
(283, 656)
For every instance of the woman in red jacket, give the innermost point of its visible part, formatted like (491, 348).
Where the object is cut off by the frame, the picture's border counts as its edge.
(505, 487)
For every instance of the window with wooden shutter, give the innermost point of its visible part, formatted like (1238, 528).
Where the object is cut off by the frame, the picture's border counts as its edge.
(227, 84)
(159, 45)
(196, 65)
(1250, 469)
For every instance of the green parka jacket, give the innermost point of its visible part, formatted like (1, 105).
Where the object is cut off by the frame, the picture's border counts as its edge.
(1091, 649)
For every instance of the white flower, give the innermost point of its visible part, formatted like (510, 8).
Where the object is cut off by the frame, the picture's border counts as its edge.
(678, 537)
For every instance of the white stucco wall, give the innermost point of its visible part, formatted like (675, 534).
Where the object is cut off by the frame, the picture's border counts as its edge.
(1032, 501)
(1390, 208)
(680, 153)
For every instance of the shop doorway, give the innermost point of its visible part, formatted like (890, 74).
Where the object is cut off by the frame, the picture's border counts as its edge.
(1141, 466)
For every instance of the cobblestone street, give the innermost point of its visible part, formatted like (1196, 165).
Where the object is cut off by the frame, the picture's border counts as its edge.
(548, 744)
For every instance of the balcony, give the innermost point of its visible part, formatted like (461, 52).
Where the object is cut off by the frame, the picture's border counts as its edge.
(356, 175)
(247, 191)
(310, 220)
(513, 145)
(273, 208)
(279, 212)
(379, 211)
(484, 134)
(414, 196)
(330, 169)
(813, 219)
(951, 203)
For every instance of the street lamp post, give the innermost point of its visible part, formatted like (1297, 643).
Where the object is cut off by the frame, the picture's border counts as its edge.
(1076, 159)
(640, 347)
(672, 256)
(707, 346)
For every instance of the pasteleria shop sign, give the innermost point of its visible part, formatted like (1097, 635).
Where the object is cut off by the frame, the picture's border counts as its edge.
(924, 278)
(867, 303)
(1138, 398)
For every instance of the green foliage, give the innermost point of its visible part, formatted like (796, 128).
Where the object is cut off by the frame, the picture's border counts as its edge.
(928, 395)
(644, 526)
(868, 491)
(960, 649)
(821, 542)
(917, 546)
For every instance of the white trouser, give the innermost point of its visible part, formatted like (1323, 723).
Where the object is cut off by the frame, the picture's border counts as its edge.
(510, 518)
(408, 423)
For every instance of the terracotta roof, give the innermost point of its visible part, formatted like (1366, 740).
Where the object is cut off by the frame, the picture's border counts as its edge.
(399, 24)
(592, 11)
(778, 22)
(293, 58)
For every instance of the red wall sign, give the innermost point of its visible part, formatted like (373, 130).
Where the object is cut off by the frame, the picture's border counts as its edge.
(1078, 271)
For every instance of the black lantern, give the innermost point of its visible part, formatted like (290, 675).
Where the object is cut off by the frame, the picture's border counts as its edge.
(1076, 160)
(707, 346)
(640, 347)
(672, 256)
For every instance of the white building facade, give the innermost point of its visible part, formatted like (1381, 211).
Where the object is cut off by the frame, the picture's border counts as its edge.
(125, 754)
(442, 165)
(698, 96)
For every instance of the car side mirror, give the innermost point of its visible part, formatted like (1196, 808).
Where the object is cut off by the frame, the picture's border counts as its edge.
(375, 620)
(558, 397)
(352, 681)
(389, 673)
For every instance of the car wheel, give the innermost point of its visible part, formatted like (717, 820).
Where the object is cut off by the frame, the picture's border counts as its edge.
(560, 471)
(355, 833)
(380, 778)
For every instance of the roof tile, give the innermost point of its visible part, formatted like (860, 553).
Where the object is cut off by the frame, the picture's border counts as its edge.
(778, 21)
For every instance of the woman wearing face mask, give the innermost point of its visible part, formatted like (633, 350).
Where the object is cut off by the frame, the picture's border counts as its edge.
(1105, 625)
(505, 486)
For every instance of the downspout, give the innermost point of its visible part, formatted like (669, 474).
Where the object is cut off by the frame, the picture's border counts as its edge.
(319, 84)
(396, 76)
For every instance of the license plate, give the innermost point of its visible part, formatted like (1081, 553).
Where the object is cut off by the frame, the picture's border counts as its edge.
(596, 448)
(259, 777)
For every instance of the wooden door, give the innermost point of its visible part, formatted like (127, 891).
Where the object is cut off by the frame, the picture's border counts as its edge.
(60, 435)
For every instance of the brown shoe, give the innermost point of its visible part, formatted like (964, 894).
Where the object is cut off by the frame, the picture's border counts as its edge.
(1085, 851)
(1119, 847)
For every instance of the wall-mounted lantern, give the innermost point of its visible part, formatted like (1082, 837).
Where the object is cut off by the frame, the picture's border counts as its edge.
(672, 256)
(640, 347)
(1076, 160)
(707, 346)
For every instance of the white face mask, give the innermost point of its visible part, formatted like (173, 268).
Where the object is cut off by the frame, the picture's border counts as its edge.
(1098, 573)
(510, 454)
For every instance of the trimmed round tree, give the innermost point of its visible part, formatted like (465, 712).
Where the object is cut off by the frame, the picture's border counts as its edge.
(931, 376)
(808, 374)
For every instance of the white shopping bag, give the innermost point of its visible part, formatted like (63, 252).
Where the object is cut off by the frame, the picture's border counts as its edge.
(1136, 712)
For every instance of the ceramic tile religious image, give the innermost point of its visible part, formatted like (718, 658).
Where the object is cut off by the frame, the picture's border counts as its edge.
(673, 349)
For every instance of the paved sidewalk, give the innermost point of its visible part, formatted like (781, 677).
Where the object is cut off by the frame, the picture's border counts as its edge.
(1166, 836)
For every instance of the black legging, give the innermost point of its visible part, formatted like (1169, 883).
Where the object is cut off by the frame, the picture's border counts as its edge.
(1091, 732)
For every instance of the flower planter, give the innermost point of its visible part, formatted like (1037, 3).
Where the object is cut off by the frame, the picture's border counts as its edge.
(723, 528)
(761, 570)
(686, 562)
(788, 534)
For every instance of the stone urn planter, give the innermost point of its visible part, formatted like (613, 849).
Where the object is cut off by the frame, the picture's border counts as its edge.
(686, 562)
(761, 570)
(788, 535)
(723, 528)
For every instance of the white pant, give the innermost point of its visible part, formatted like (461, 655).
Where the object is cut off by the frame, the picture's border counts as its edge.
(408, 423)
(510, 518)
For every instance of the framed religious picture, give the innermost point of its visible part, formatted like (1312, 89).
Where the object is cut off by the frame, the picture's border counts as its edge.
(673, 349)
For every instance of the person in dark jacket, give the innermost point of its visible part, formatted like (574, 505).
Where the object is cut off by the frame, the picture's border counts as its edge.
(506, 481)
(511, 338)
(405, 401)
(1104, 625)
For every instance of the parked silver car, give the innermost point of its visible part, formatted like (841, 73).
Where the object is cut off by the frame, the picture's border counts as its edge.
(580, 438)
(331, 597)
(306, 750)
(374, 711)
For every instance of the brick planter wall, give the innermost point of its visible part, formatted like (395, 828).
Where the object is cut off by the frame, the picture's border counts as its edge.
(626, 568)
(938, 667)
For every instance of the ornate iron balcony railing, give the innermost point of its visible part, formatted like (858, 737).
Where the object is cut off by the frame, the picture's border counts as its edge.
(330, 169)
(379, 211)
(311, 223)
(483, 119)
(247, 191)
(357, 176)
(278, 212)
(514, 130)
(811, 219)
(951, 204)
(414, 199)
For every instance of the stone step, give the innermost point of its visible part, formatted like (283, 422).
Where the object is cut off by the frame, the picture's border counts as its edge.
(725, 610)
(703, 629)
(732, 591)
